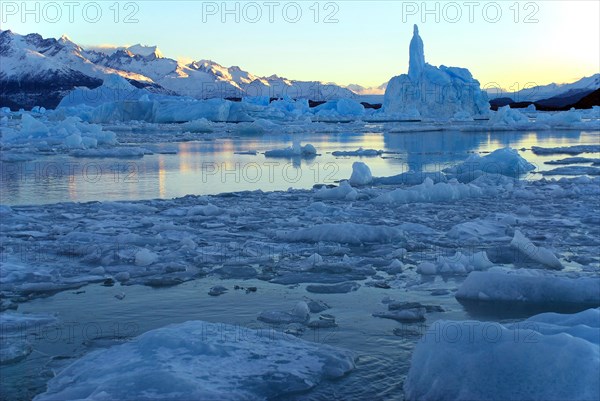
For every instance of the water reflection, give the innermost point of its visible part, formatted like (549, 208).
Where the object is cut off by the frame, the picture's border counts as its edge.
(210, 167)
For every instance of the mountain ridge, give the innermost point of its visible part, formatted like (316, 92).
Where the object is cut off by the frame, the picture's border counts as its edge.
(38, 71)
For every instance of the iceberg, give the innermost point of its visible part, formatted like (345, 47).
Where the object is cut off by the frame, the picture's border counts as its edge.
(504, 161)
(547, 357)
(434, 92)
(70, 133)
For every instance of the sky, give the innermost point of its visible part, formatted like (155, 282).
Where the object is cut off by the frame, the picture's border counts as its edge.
(508, 44)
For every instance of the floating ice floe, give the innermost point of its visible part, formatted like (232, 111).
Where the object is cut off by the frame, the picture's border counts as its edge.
(70, 133)
(345, 233)
(546, 357)
(411, 178)
(300, 314)
(14, 334)
(342, 192)
(537, 253)
(574, 160)
(456, 264)
(491, 229)
(200, 360)
(430, 192)
(530, 287)
(340, 288)
(569, 150)
(120, 152)
(296, 150)
(360, 152)
(361, 174)
(573, 170)
(406, 311)
(505, 161)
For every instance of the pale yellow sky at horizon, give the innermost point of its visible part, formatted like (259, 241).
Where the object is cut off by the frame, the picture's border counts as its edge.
(367, 44)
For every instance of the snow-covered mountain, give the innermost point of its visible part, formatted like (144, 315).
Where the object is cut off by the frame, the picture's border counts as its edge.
(372, 90)
(37, 71)
(584, 85)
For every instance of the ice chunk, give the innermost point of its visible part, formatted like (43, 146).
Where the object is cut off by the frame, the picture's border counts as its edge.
(124, 152)
(340, 288)
(217, 290)
(32, 127)
(430, 192)
(573, 170)
(301, 310)
(507, 117)
(561, 119)
(360, 152)
(505, 161)
(349, 233)
(208, 210)
(197, 361)
(403, 315)
(410, 178)
(570, 150)
(200, 125)
(343, 191)
(479, 230)
(361, 174)
(334, 109)
(15, 329)
(539, 254)
(296, 150)
(456, 264)
(529, 286)
(548, 357)
(299, 314)
(70, 133)
(574, 160)
(145, 257)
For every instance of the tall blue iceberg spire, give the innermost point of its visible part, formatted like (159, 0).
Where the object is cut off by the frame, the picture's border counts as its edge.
(416, 62)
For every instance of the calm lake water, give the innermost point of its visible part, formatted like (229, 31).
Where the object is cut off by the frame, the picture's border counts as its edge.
(212, 167)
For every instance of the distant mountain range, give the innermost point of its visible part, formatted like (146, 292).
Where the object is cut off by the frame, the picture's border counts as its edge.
(373, 90)
(552, 96)
(35, 71)
(39, 72)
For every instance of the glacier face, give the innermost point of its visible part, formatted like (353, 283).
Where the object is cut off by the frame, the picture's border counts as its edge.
(433, 92)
